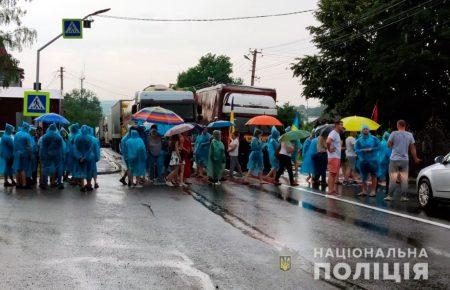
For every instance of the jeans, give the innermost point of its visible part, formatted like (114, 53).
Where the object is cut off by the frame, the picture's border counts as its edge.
(285, 163)
(156, 166)
(234, 164)
(398, 167)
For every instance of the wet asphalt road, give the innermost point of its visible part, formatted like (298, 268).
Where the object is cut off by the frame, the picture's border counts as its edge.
(229, 237)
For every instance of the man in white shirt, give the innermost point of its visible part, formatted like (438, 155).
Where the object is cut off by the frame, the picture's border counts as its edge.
(334, 155)
(233, 152)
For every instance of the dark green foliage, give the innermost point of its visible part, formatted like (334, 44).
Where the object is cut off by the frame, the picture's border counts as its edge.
(82, 108)
(394, 52)
(212, 69)
(13, 36)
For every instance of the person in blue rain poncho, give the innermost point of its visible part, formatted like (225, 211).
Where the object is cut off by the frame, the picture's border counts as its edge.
(96, 154)
(272, 146)
(64, 134)
(255, 163)
(22, 155)
(309, 149)
(71, 160)
(136, 156)
(35, 155)
(123, 151)
(7, 156)
(51, 151)
(201, 150)
(384, 155)
(366, 147)
(84, 152)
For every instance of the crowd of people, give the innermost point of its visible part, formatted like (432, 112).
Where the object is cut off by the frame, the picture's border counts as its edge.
(59, 155)
(385, 160)
(29, 156)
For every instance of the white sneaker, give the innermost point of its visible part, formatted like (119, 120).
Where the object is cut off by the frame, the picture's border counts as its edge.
(168, 183)
(183, 184)
(388, 198)
(372, 194)
(404, 198)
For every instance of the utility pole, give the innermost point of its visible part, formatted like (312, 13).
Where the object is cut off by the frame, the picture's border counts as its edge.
(255, 54)
(61, 76)
(81, 85)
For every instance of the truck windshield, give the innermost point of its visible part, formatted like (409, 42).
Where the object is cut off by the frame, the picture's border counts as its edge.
(239, 124)
(185, 111)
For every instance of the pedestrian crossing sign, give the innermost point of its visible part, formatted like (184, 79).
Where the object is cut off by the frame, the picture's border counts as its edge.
(36, 103)
(72, 28)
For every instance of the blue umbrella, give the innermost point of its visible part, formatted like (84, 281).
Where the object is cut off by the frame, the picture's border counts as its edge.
(220, 124)
(52, 118)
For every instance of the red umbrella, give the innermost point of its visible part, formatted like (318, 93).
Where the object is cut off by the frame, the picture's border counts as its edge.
(264, 120)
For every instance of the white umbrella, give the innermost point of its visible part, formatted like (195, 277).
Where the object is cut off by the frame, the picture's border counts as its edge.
(178, 129)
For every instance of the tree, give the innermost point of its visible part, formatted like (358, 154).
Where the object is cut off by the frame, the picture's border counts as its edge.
(393, 52)
(83, 107)
(286, 114)
(211, 69)
(13, 36)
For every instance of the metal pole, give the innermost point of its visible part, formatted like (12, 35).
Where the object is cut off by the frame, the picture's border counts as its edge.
(38, 53)
(61, 75)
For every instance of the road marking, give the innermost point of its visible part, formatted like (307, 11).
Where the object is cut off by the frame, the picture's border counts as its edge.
(445, 226)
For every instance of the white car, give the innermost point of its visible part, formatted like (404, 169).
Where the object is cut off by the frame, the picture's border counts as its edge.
(433, 182)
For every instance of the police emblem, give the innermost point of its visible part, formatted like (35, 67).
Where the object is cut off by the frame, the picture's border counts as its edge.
(285, 263)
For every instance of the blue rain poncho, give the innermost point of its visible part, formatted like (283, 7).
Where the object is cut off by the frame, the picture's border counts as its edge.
(136, 154)
(255, 163)
(384, 155)
(201, 147)
(51, 150)
(70, 160)
(123, 146)
(366, 142)
(84, 154)
(272, 146)
(7, 152)
(309, 149)
(96, 149)
(34, 151)
(23, 150)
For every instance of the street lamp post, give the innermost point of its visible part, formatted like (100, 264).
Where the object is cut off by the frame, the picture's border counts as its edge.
(37, 85)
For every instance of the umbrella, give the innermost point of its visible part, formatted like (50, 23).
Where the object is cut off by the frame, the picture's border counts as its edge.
(158, 115)
(52, 118)
(264, 120)
(294, 135)
(220, 124)
(355, 123)
(323, 129)
(178, 129)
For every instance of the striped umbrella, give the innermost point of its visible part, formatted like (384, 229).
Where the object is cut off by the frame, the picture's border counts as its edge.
(158, 115)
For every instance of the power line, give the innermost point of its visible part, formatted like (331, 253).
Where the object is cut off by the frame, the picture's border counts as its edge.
(348, 25)
(204, 19)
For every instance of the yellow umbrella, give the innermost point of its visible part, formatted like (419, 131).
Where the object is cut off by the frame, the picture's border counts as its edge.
(355, 123)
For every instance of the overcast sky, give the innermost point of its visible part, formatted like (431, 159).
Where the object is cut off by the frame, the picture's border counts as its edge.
(120, 57)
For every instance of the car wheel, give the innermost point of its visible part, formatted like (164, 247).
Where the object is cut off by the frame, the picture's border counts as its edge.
(425, 193)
